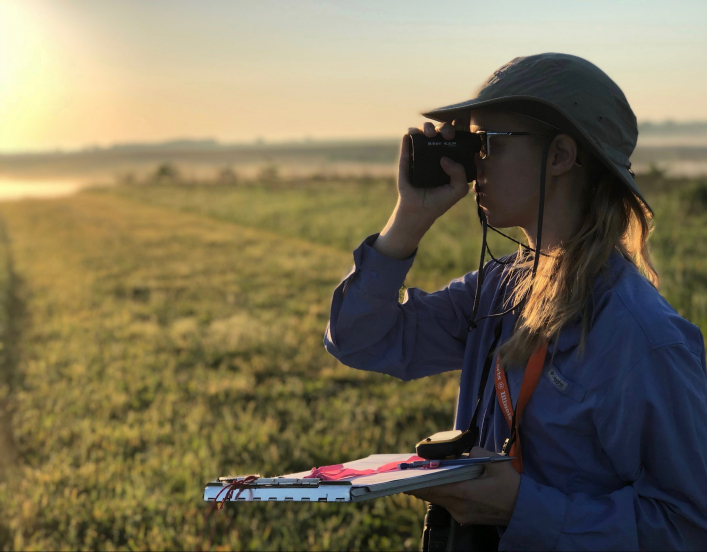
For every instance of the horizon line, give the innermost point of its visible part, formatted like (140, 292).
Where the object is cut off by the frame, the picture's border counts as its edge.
(261, 141)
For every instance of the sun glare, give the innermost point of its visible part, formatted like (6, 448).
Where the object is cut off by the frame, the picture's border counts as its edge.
(27, 78)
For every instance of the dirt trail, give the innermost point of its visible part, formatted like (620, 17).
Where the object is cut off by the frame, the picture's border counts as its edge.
(10, 322)
(8, 450)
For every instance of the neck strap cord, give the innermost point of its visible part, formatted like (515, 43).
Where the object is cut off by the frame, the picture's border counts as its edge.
(535, 360)
(472, 321)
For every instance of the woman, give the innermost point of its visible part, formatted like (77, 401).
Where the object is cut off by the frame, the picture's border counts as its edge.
(613, 440)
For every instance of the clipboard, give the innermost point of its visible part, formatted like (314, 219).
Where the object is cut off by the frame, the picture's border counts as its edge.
(297, 487)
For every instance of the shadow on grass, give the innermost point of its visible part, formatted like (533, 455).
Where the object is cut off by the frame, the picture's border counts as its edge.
(12, 318)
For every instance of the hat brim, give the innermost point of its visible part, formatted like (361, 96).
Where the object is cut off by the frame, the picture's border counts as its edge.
(550, 113)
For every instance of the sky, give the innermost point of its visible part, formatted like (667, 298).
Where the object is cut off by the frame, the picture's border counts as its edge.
(78, 73)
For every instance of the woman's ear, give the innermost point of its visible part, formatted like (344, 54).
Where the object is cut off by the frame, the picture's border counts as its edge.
(562, 155)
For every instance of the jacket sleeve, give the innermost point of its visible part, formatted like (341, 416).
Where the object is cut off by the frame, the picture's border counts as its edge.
(371, 330)
(653, 425)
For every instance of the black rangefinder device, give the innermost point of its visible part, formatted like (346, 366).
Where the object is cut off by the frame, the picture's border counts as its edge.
(446, 444)
(425, 153)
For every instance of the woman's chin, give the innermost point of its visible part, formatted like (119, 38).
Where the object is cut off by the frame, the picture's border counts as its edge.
(492, 218)
(487, 212)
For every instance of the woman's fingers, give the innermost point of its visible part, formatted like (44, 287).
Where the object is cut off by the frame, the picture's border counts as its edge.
(429, 130)
(446, 130)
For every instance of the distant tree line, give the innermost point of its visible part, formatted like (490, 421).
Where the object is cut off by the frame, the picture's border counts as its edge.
(270, 174)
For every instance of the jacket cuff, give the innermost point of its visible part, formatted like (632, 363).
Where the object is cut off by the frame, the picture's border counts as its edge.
(537, 519)
(379, 276)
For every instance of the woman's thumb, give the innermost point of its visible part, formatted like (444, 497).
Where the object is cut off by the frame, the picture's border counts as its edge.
(490, 468)
(454, 170)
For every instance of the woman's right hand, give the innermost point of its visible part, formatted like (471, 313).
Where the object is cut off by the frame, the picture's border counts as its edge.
(425, 205)
(418, 208)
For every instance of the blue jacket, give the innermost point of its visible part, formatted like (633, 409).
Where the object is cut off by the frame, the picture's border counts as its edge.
(614, 444)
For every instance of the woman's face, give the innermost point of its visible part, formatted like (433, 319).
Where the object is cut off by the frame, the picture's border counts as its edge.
(507, 183)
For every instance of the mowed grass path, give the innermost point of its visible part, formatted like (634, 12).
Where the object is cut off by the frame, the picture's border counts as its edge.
(341, 214)
(159, 349)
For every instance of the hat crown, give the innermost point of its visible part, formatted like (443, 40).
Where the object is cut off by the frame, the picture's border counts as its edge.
(569, 93)
(574, 85)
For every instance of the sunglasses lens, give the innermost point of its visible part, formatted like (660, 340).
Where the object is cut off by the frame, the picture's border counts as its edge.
(484, 145)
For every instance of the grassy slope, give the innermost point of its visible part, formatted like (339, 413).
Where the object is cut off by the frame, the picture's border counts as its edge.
(165, 346)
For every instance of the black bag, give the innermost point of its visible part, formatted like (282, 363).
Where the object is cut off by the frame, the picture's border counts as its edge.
(443, 534)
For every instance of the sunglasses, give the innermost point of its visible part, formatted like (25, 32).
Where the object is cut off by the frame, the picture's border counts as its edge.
(485, 136)
(486, 139)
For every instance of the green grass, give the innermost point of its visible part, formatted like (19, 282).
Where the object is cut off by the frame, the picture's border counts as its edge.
(5, 298)
(340, 214)
(164, 349)
(171, 334)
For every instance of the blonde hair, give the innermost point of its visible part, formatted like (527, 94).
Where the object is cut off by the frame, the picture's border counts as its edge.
(562, 291)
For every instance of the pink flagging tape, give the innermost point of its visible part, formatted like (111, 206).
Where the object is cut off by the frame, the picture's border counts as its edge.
(338, 471)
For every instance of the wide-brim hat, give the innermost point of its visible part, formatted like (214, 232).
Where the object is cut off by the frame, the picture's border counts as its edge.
(569, 93)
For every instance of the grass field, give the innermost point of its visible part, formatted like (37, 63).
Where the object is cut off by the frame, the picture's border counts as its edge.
(155, 337)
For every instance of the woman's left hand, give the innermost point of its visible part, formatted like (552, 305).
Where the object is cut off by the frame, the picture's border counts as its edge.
(487, 500)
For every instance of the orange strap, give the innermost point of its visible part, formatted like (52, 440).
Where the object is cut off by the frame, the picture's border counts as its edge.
(530, 382)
